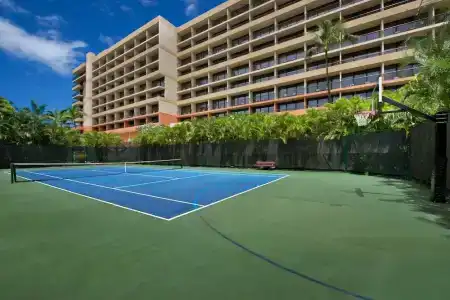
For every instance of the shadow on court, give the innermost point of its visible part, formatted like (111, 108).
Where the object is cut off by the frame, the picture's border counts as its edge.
(415, 195)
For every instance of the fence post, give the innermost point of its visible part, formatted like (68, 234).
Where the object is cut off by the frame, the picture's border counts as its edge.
(439, 176)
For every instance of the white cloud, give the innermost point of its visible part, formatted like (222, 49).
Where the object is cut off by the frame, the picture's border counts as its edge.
(59, 55)
(103, 6)
(54, 21)
(125, 8)
(106, 40)
(12, 6)
(191, 7)
(148, 2)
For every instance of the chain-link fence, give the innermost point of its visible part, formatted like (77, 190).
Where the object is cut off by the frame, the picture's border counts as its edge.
(383, 153)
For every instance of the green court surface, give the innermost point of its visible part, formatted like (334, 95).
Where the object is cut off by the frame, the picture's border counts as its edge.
(375, 237)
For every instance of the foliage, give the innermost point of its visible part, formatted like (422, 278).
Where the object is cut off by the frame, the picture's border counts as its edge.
(431, 88)
(335, 121)
(35, 125)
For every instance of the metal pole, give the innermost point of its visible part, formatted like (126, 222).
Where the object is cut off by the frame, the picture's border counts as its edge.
(439, 176)
(13, 173)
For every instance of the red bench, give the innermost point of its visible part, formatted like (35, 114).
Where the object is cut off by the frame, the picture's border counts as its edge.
(265, 165)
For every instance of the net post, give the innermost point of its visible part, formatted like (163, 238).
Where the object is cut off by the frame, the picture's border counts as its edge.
(125, 167)
(13, 172)
(439, 175)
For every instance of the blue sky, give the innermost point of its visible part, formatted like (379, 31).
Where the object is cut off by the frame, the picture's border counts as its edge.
(41, 40)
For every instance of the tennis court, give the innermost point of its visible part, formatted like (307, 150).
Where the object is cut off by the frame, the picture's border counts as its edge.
(309, 235)
(162, 189)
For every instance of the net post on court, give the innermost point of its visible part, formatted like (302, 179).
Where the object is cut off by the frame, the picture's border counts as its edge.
(52, 171)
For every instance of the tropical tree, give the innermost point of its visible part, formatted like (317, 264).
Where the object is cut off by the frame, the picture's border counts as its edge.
(430, 91)
(72, 114)
(58, 118)
(329, 33)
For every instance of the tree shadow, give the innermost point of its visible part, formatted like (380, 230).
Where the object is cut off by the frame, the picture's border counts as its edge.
(418, 196)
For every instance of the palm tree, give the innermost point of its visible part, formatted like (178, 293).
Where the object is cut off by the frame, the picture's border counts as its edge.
(37, 109)
(329, 33)
(57, 117)
(432, 86)
(72, 114)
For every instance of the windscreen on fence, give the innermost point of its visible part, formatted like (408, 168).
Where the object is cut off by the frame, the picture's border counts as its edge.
(383, 153)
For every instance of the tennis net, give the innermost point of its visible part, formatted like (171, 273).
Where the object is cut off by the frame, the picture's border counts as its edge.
(23, 172)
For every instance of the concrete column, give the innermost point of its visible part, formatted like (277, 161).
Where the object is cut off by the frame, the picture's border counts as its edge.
(87, 100)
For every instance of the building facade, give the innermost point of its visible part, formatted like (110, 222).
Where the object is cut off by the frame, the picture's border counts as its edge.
(248, 56)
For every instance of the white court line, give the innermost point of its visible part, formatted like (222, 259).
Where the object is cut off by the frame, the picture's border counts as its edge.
(232, 196)
(134, 174)
(160, 181)
(226, 173)
(96, 199)
(116, 189)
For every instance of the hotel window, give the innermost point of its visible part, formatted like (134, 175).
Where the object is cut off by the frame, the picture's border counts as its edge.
(221, 103)
(395, 47)
(263, 109)
(264, 95)
(289, 37)
(292, 105)
(262, 78)
(219, 88)
(240, 53)
(291, 90)
(240, 40)
(239, 83)
(239, 112)
(202, 81)
(220, 76)
(219, 48)
(219, 60)
(362, 13)
(322, 9)
(263, 46)
(354, 56)
(199, 107)
(262, 64)
(291, 21)
(291, 71)
(359, 78)
(239, 70)
(185, 96)
(186, 85)
(290, 56)
(185, 61)
(317, 102)
(363, 94)
(239, 100)
(201, 93)
(239, 11)
(264, 31)
(201, 55)
(398, 71)
(317, 86)
(404, 25)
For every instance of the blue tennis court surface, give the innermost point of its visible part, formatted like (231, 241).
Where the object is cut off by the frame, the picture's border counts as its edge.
(164, 194)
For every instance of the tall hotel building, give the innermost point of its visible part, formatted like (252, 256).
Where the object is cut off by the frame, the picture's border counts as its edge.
(248, 56)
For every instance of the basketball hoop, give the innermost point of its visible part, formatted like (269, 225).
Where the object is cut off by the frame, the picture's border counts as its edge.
(363, 118)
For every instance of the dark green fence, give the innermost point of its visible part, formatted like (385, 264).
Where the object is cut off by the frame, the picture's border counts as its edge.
(384, 153)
